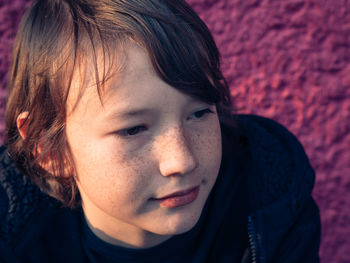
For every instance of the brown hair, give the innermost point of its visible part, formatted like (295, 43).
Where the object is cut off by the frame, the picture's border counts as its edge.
(56, 36)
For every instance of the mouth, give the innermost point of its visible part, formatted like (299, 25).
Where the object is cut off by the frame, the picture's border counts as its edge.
(177, 199)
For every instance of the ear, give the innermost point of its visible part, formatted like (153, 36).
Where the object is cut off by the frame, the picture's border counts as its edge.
(22, 124)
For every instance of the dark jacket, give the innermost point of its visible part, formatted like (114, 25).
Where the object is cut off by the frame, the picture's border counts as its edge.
(272, 178)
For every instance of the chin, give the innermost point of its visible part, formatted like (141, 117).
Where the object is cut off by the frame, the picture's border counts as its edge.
(179, 223)
(176, 229)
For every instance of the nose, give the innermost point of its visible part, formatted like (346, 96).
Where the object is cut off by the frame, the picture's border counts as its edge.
(175, 154)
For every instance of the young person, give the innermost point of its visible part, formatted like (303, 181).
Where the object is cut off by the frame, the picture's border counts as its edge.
(122, 146)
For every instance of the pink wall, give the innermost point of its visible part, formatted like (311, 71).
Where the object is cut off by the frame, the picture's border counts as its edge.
(285, 59)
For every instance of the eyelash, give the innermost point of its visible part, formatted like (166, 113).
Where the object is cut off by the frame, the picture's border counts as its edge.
(202, 113)
(133, 131)
(129, 132)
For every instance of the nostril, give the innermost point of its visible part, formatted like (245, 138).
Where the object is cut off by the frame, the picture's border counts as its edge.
(177, 161)
(176, 166)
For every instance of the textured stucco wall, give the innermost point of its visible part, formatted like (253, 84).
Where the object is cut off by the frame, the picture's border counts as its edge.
(284, 59)
(290, 60)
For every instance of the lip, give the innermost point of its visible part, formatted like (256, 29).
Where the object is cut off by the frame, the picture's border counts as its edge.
(180, 198)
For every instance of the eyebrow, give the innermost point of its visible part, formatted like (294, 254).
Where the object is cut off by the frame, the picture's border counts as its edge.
(128, 113)
(136, 112)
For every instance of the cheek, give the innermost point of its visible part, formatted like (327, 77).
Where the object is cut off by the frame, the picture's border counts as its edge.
(108, 175)
(208, 144)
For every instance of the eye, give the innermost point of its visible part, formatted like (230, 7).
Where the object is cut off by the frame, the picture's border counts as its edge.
(132, 131)
(200, 114)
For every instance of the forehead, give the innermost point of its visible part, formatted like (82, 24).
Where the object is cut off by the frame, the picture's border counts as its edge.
(128, 68)
(93, 78)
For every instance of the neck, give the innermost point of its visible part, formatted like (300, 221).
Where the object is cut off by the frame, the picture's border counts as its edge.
(123, 234)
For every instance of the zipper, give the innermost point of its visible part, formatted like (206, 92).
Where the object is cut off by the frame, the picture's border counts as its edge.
(252, 240)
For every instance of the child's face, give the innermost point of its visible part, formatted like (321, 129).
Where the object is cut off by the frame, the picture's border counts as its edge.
(146, 142)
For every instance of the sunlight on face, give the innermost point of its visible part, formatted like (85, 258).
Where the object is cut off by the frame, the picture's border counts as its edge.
(146, 159)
